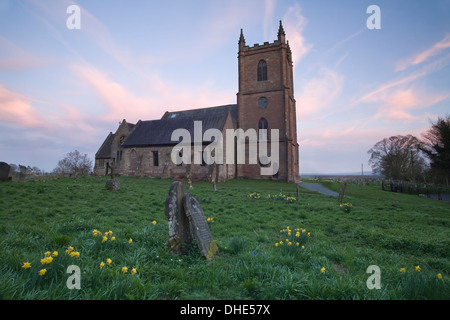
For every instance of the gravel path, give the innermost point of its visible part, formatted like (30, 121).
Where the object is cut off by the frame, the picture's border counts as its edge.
(317, 187)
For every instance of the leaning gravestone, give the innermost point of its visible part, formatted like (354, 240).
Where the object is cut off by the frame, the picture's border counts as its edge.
(4, 171)
(179, 231)
(205, 241)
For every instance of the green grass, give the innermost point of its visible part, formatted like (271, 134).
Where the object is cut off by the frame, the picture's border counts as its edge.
(40, 216)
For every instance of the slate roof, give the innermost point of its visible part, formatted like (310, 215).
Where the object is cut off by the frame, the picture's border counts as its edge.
(105, 150)
(159, 132)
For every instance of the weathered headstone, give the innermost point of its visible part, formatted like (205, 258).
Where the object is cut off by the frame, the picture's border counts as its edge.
(4, 171)
(200, 228)
(179, 231)
(113, 183)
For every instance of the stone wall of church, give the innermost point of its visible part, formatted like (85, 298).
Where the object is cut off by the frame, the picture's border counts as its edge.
(156, 162)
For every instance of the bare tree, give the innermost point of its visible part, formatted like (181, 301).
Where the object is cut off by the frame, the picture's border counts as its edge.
(398, 158)
(74, 163)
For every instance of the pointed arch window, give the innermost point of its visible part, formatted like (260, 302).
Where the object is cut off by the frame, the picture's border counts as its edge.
(262, 124)
(262, 70)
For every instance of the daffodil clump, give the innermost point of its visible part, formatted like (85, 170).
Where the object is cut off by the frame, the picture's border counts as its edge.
(418, 269)
(346, 207)
(46, 260)
(105, 236)
(282, 197)
(45, 265)
(254, 195)
(293, 238)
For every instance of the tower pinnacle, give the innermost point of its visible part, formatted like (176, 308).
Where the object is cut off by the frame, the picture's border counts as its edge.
(281, 33)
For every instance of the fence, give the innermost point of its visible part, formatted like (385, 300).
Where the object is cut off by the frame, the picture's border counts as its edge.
(428, 191)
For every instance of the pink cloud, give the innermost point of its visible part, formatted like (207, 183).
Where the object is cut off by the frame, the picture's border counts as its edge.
(13, 57)
(294, 23)
(158, 97)
(319, 93)
(16, 109)
(424, 55)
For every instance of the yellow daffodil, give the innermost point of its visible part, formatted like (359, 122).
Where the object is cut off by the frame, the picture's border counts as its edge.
(102, 264)
(323, 270)
(69, 250)
(417, 268)
(124, 269)
(108, 261)
(113, 238)
(276, 244)
(48, 253)
(130, 241)
(26, 265)
(303, 247)
(154, 222)
(402, 270)
(42, 272)
(439, 276)
(46, 260)
(55, 254)
(133, 271)
(104, 239)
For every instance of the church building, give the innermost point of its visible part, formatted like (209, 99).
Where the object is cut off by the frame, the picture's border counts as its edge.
(265, 101)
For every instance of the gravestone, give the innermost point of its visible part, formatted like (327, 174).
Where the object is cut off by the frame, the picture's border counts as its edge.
(113, 183)
(179, 232)
(4, 171)
(200, 228)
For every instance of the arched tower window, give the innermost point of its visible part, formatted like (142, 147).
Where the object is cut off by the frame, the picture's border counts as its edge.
(262, 124)
(262, 70)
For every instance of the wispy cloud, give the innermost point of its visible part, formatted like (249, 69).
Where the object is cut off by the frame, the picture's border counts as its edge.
(17, 110)
(424, 55)
(294, 23)
(319, 93)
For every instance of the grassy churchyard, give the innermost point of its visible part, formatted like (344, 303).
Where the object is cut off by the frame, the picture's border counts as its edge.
(271, 246)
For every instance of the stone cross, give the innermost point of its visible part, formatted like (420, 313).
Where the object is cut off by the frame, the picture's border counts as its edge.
(194, 212)
(179, 231)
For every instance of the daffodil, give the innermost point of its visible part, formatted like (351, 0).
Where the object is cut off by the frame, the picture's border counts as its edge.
(130, 241)
(113, 238)
(48, 253)
(26, 265)
(124, 269)
(417, 268)
(154, 222)
(42, 272)
(108, 261)
(402, 270)
(323, 270)
(439, 276)
(104, 239)
(102, 264)
(133, 271)
(55, 254)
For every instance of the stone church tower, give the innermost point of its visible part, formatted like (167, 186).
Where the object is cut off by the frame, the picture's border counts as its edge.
(266, 101)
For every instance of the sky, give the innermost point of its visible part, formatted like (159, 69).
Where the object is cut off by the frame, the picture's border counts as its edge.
(65, 89)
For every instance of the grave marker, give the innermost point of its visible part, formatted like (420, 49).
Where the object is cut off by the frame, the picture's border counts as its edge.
(179, 231)
(196, 216)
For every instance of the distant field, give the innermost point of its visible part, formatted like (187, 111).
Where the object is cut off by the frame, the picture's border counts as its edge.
(406, 236)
